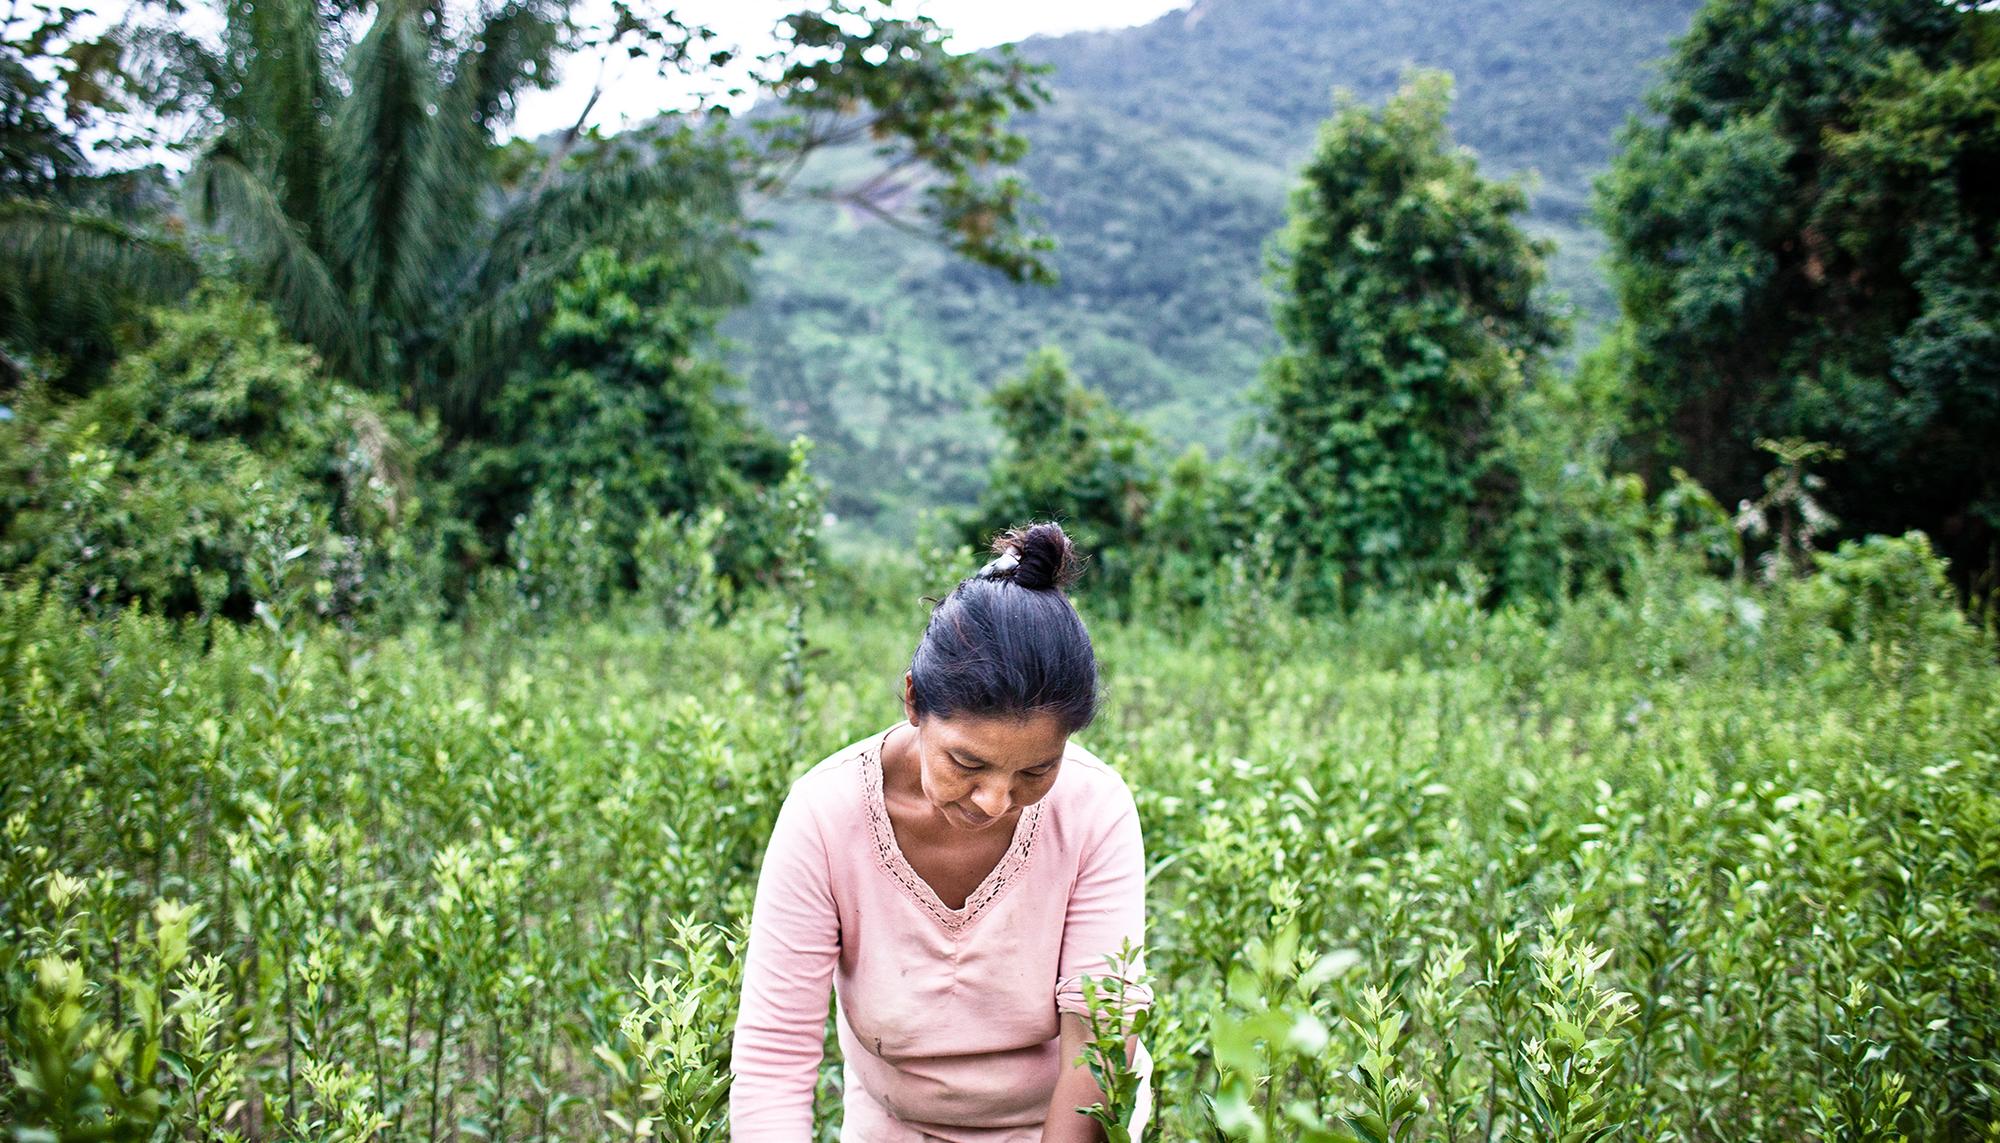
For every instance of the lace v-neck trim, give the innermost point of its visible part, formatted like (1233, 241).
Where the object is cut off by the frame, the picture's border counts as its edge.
(890, 857)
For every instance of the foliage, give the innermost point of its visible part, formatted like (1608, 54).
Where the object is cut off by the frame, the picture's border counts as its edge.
(349, 164)
(80, 248)
(1070, 457)
(216, 444)
(678, 568)
(68, 233)
(1577, 521)
(559, 559)
(935, 119)
(360, 185)
(671, 1073)
(1690, 859)
(1162, 165)
(75, 277)
(1117, 1016)
(621, 394)
(1410, 324)
(795, 510)
(1800, 251)
(1202, 539)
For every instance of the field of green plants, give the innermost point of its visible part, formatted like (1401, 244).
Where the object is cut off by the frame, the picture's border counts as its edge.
(1690, 861)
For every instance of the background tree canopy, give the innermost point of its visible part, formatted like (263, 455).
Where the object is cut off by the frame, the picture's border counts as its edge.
(1410, 323)
(348, 171)
(1162, 165)
(1804, 240)
(359, 184)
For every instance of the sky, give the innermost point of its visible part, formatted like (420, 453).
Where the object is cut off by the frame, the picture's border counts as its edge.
(632, 92)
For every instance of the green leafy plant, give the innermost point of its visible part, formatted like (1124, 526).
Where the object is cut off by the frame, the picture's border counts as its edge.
(1117, 1017)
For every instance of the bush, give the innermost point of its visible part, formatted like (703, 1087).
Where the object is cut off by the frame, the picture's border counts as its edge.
(1411, 321)
(1888, 588)
(1069, 456)
(214, 444)
(622, 396)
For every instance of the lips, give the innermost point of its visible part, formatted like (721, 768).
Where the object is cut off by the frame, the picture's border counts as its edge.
(974, 816)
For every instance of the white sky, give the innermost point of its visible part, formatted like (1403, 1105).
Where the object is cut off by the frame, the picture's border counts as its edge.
(634, 93)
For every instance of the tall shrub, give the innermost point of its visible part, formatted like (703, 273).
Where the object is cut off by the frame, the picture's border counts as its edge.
(215, 443)
(1409, 319)
(1803, 245)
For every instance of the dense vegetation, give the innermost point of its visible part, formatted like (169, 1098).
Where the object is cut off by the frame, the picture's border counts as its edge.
(1410, 322)
(1807, 245)
(1163, 166)
(406, 640)
(1690, 862)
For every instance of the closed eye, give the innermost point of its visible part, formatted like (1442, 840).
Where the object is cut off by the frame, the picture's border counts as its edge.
(971, 768)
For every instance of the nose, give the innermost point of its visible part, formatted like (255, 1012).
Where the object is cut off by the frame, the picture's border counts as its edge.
(991, 800)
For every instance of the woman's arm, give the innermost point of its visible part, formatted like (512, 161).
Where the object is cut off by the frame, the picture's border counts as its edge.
(1106, 914)
(787, 973)
(1074, 1088)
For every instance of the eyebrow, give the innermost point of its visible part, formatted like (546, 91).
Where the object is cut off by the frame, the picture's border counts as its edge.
(964, 756)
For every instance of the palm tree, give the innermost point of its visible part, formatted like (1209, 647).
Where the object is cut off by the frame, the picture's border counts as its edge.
(359, 187)
(371, 214)
(61, 225)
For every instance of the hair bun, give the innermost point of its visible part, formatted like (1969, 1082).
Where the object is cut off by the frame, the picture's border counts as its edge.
(1038, 557)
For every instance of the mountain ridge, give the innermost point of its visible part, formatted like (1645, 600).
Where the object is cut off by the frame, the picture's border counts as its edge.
(1162, 165)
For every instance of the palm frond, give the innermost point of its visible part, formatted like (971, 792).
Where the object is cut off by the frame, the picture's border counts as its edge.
(403, 194)
(272, 82)
(296, 87)
(227, 195)
(602, 194)
(494, 332)
(67, 277)
(45, 243)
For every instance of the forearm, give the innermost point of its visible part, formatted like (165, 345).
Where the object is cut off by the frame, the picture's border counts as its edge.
(1065, 1125)
(1074, 1088)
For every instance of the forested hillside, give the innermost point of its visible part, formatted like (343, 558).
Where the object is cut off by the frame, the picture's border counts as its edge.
(1163, 163)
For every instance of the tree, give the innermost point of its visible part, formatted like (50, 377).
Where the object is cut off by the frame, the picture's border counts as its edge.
(1804, 246)
(1069, 456)
(1409, 320)
(215, 443)
(620, 394)
(59, 83)
(359, 184)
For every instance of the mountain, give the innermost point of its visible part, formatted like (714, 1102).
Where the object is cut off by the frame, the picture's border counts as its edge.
(1163, 165)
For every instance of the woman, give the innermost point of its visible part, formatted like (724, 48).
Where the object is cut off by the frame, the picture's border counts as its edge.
(952, 878)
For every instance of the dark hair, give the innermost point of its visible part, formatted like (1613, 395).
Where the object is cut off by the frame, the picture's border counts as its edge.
(1007, 642)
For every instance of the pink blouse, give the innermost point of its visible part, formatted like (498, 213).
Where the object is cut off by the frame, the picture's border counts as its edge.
(947, 1017)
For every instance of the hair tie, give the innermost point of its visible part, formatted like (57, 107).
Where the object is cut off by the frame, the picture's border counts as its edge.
(1001, 567)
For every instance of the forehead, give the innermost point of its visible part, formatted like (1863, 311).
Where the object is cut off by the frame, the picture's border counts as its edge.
(1012, 743)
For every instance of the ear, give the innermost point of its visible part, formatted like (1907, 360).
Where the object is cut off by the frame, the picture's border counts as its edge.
(910, 697)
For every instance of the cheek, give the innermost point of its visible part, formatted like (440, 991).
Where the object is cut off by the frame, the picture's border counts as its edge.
(1028, 791)
(944, 782)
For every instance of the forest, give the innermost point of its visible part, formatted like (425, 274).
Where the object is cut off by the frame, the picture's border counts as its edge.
(1541, 550)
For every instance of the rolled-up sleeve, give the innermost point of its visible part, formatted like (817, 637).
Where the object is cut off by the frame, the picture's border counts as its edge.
(787, 976)
(1107, 908)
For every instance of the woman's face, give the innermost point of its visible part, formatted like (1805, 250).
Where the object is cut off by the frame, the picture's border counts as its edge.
(978, 771)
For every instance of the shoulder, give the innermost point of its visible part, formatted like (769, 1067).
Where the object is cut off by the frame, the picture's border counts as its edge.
(1090, 794)
(831, 792)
